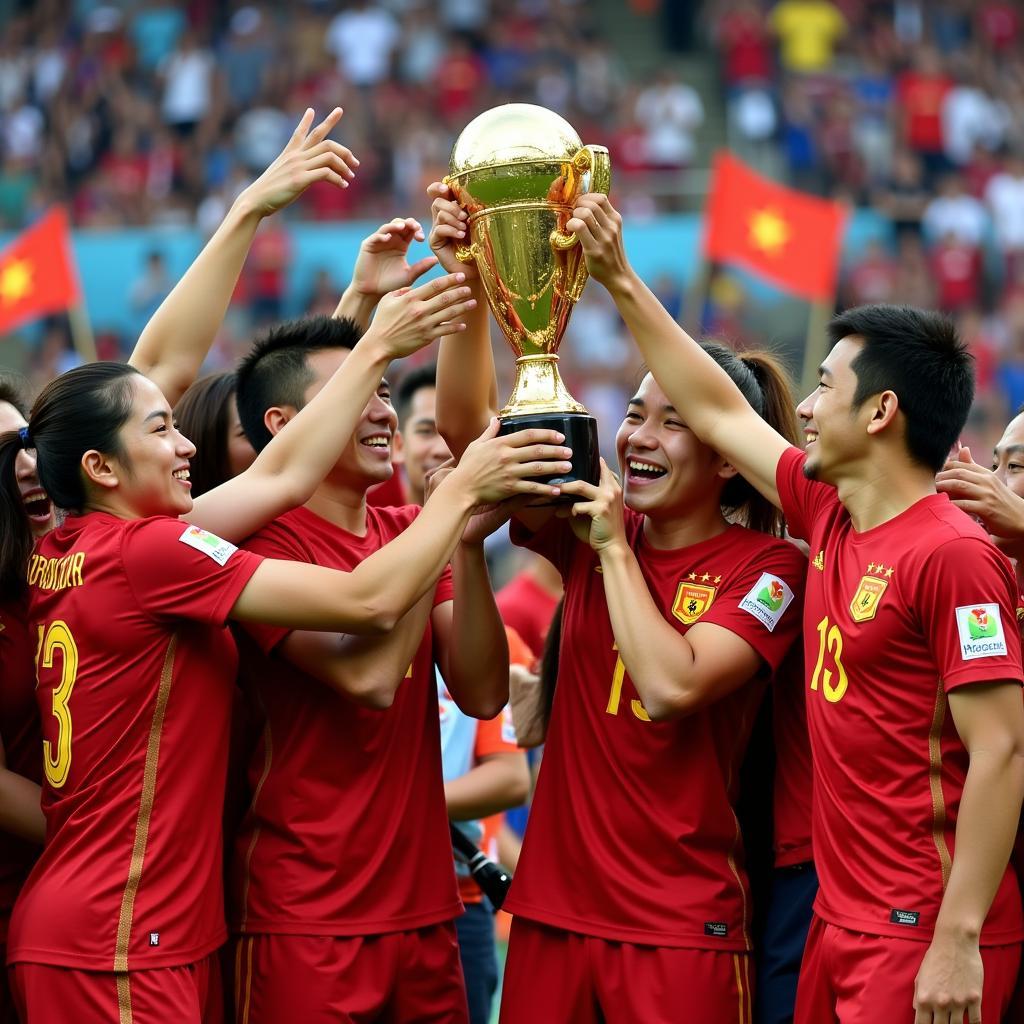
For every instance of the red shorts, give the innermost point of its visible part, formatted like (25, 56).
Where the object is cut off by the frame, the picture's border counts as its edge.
(186, 995)
(556, 975)
(850, 978)
(320, 979)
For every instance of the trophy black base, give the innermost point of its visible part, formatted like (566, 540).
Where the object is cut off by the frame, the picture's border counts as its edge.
(580, 430)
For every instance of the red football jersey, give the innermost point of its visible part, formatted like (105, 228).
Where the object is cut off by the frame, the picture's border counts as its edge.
(19, 727)
(347, 833)
(895, 618)
(794, 775)
(135, 674)
(632, 835)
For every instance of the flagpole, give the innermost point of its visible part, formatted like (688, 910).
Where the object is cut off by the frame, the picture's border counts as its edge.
(81, 332)
(815, 347)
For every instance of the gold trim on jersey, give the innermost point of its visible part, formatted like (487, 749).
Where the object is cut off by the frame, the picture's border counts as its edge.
(268, 757)
(935, 783)
(124, 998)
(131, 889)
(743, 987)
(242, 1008)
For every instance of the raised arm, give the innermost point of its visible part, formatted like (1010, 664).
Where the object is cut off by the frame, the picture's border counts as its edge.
(673, 674)
(467, 391)
(293, 464)
(381, 267)
(177, 339)
(375, 595)
(709, 402)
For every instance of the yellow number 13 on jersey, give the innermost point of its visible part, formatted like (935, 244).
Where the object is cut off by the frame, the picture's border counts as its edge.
(53, 639)
(615, 695)
(830, 647)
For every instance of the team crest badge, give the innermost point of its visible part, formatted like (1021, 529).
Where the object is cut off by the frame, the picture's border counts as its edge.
(865, 602)
(692, 601)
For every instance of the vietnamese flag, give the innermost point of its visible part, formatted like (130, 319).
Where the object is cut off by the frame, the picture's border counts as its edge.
(789, 237)
(37, 272)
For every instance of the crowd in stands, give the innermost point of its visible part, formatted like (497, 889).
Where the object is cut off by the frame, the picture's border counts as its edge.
(151, 113)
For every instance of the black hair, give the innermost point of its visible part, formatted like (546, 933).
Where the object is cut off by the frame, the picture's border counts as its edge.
(80, 410)
(276, 371)
(918, 355)
(202, 414)
(415, 380)
(764, 383)
(14, 391)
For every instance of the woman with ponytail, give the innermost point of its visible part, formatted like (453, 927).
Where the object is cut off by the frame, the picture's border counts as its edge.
(128, 603)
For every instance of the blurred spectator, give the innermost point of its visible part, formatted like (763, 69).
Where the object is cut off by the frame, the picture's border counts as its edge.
(1005, 198)
(955, 212)
(362, 38)
(670, 112)
(188, 84)
(970, 118)
(921, 92)
(872, 278)
(264, 278)
(808, 33)
(956, 268)
(904, 196)
(743, 36)
(149, 289)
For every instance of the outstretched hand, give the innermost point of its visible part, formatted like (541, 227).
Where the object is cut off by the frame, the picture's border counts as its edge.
(409, 318)
(979, 492)
(598, 225)
(449, 228)
(308, 157)
(598, 520)
(382, 264)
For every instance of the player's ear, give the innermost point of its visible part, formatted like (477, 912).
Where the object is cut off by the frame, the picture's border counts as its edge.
(101, 470)
(726, 470)
(884, 407)
(398, 450)
(277, 416)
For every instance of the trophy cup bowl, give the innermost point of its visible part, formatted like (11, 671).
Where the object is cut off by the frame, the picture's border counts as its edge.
(517, 170)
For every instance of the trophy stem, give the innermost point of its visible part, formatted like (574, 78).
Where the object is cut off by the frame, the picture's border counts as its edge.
(539, 389)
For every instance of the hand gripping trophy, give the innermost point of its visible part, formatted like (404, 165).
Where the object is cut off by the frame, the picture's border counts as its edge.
(517, 170)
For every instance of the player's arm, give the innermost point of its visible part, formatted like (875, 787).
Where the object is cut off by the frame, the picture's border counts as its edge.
(467, 390)
(378, 592)
(470, 643)
(979, 492)
(176, 340)
(21, 813)
(709, 402)
(369, 669)
(295, 462)
(382, 267)
(673, 674)
(496, 783)
(990, 722)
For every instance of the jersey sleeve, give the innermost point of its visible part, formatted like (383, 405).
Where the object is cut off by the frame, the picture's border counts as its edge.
(763, 602)
(554, 540)
(176, 570)
(803, 500)
(274, 541)
(495, 736)
(445, 589)
(965, 598)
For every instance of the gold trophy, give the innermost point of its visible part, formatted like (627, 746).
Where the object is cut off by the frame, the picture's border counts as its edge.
(517, 170)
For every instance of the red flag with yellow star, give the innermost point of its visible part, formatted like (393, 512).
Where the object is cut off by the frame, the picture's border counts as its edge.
(789, 237)
(37, 272)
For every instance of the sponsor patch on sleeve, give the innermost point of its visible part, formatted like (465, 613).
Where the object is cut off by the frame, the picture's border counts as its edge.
(767, 599)
(210, 544)
(981, 631)
(508, 730)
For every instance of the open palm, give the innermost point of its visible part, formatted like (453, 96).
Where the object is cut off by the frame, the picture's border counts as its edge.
(383, 265)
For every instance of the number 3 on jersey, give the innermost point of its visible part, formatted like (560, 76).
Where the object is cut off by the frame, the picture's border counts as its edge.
(53, 639)
(830, 644)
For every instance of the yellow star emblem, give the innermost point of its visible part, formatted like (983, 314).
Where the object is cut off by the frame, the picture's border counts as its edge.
(705, 577)
(15, 281)
(769, 231)
(692, 576)
(871, 566)
(718, 579)
(889, 572)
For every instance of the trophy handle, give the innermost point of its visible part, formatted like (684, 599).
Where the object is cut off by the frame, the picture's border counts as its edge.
(592, 161)
(465, 253)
